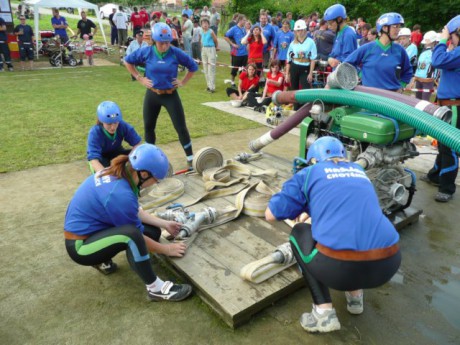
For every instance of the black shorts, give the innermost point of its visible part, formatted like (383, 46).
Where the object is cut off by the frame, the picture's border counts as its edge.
(238, 61)
(26, 51)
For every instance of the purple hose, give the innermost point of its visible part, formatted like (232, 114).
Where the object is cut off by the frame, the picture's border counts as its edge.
(277, 132)
(442, 113)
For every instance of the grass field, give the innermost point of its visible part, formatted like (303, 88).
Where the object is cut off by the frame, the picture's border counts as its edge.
(47, 113)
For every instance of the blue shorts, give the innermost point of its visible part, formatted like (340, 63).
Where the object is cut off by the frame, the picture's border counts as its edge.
(26, 50)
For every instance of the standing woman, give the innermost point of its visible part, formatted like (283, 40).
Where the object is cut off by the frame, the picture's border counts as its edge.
(283, 39)
(209, 44)
(301, 57)
(384, 64)
(255, 40)
(104, 218)
(445, 169)
(161, 64)
(105, 139)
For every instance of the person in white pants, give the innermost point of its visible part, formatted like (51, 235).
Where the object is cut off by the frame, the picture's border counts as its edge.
(209, 45)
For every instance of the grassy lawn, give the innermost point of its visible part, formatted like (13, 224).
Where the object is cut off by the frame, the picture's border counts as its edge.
(46, 114)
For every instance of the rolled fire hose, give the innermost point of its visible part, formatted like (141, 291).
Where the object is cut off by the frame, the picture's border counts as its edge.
(161, 193)
(442, 113)
(277, 132)
(442, 131)
(206, 158)
(260, 270)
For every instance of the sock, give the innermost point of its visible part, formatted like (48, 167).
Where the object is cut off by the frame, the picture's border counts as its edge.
(156, 285)
(321, 311)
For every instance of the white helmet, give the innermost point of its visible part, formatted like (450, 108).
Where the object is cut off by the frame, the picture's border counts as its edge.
(429, 37)
(300, 25)
(404, 32)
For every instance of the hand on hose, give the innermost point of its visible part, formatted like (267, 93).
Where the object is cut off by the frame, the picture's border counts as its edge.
(172, 227)
(175, 249)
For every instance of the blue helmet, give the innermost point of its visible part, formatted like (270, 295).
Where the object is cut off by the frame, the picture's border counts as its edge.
(148, 157)
(454, 24)
(391, 18)
(325, 148)
(162, 33)
(109, 112)
(334, 12)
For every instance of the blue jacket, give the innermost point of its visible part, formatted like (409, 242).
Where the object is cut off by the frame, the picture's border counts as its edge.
(101, 203)
(342, 204)
(162, 70)
(449, 64)
(345, 43)
(100, 143)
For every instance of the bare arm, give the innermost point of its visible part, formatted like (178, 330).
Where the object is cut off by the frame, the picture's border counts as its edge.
(96, 165)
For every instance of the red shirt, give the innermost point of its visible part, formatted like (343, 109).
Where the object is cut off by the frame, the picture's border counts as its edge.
(272, 88)
(416, 38)
(246, 83)
(256, 51)
(136, 19)
(144, 17)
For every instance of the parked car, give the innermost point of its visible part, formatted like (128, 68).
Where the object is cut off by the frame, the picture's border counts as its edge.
(106, 10)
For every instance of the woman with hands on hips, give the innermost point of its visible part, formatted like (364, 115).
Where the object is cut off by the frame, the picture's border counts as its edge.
(161, 65)
(104, 218)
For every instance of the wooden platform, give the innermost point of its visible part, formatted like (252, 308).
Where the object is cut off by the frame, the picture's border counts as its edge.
(214, 259)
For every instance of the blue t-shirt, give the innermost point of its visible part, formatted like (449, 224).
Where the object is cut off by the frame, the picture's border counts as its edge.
(27, 35)
(342, 203)
(424, 67)
(236, 34)
(380, 65)
(206, 39)
(411, 51)
(101, 203)
(161, 70)
(304, 50)
(59, 21)
(345, 43)
(281, 43)
(100, 143)
(3, 36)
(188, 12)
(449, 64)
(269, 33)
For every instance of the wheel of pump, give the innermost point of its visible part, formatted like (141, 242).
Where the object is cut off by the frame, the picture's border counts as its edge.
(72, 62)
(52, 62)
(57, 61)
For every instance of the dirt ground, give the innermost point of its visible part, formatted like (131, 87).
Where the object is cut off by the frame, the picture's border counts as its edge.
(47, 299)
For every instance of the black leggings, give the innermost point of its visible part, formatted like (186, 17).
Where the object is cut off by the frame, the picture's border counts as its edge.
(299, 79)
(105, 244)
(323, 272)
(107, 157)
(152, 106)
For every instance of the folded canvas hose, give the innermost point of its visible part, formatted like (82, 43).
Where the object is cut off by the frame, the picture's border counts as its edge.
(260, 270)
(277, 261)
(162, 193)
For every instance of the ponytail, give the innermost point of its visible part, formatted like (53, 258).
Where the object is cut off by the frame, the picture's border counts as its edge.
(117, 167)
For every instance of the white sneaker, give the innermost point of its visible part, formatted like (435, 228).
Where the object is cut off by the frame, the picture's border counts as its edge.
(355, 305)
(314, 322)
(228, 81)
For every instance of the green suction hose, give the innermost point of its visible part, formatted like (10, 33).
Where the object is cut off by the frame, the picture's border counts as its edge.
(442, 131)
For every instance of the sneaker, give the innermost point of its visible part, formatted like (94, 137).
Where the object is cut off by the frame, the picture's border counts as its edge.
(80, 63)
(314, 322)
(10, 69)
(189, 165)
(107, 267)
(210, 90)
(426, 179)
(228, 81)
(443, 197)
(171, 292)
(355, 305)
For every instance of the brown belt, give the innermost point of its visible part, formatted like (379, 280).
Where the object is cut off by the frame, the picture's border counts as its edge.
(301, 59)
(71, 236)
(424, 80)
(162, 92)
(448, 102)
(359, 255)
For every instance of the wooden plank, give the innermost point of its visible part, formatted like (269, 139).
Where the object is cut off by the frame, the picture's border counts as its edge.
(215, 258)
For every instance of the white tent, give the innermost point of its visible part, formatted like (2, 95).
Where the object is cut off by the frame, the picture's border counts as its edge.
(60, 3)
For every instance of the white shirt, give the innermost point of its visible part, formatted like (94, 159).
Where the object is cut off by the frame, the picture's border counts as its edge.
(205, 14)
(121, 20)
(188, 29)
